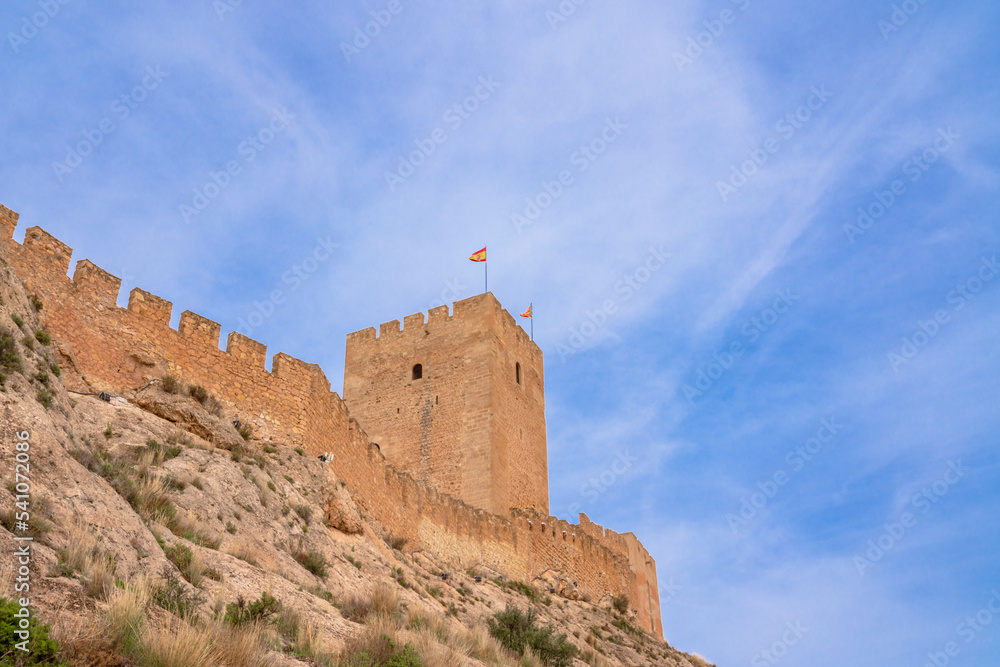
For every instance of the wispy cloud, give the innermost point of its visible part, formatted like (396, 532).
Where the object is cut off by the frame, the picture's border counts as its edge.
(619, 397)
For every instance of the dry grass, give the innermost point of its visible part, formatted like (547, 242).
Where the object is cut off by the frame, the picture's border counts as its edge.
(384, 601)
(81, 554)
(178, 645)
(100, 577)
(245, 551)
(83, 642)
(151, 499)
(78, 554)
(444, 643)
(239, 647)
(308, 642)
(125, 617)
(195, 571)
(435, 654)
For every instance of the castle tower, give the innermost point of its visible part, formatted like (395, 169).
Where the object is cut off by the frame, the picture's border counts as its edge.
(457, 402)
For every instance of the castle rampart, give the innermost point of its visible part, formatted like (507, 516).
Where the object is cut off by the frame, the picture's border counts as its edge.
(120, 349)
(457, 401)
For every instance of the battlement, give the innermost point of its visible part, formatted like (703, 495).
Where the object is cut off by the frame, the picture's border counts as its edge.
(439, 319)
(293, 402)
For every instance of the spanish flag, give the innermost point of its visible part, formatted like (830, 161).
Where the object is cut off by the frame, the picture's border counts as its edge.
(527, 313)
(479, 256)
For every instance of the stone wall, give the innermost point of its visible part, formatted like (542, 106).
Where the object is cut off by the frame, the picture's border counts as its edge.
(473, 424)
(120, 349)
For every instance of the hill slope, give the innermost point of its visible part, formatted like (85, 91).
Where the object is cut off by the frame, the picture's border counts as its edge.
(164, 535)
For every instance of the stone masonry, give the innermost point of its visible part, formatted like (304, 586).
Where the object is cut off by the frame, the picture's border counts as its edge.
(460, 470)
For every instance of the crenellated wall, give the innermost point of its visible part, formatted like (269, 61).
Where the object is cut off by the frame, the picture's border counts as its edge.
(120, 349)
(473, 424)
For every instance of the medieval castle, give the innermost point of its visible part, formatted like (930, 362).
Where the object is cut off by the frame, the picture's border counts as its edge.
(440, 435)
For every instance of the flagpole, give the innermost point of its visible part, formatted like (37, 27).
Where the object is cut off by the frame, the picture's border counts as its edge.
(486, 269)
(532, 306)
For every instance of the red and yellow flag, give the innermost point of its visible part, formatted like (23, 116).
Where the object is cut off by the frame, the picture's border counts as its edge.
(479, 256)
(527, 313)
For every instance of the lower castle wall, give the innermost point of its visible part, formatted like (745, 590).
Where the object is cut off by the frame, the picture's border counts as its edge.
(119, 349)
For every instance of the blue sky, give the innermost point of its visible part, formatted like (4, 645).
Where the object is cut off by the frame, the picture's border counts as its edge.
(713, 307)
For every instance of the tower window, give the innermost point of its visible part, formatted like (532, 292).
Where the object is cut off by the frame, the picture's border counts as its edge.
(517, 372)
(418, 372)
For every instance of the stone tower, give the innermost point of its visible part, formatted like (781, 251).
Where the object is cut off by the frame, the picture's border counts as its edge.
(457, 402)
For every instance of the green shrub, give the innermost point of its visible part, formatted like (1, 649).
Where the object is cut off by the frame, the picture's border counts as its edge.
(524, 589)
(516, 630)
(242, 613)
(620, 603)
(36, 302)
(173, 596)
(41, 649)
(246, 431)
(304, 511)
(17, 319)
(9, 357)
(313, 561)
(180, 555)
(300, 451)
(166, 451)
(43, 337)
(379, 651)
(44, 397)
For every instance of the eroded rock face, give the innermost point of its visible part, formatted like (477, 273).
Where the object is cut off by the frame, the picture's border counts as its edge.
(190, 416)
(341, 512)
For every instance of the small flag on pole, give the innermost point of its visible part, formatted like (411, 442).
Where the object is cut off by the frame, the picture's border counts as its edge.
(480, 256)
(528, 314)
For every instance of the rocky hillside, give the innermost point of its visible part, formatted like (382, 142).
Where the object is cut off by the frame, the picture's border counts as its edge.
(166, 534)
